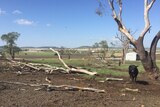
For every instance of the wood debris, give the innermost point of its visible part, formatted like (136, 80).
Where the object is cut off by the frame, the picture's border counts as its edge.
(114, 79)
(130, 89)
(50, 87)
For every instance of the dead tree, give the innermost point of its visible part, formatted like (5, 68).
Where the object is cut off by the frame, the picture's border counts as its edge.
(148, 59)
(125, 45)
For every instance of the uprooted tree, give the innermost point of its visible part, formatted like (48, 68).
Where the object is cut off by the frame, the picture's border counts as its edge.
(148, 59)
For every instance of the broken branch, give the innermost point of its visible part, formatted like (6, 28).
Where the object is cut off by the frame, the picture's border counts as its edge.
(114, 79)
(129, 89)
(71, 69)
(51, 87)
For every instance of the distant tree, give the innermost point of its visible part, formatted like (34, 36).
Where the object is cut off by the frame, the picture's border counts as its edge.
(104, 48)
(96, 45)
(148, 59)
(69, 52)
(10, 46)
(112, 51)
(61, 51)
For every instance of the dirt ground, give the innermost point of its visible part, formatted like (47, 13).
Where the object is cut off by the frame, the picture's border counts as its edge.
(13, 95)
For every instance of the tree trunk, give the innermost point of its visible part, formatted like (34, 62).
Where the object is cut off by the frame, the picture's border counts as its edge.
(148, 59)
(124, 51)
(12, 52)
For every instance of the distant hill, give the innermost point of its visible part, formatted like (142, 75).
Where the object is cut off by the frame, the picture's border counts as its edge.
(54, 47)
(42, 47)
(82, 47)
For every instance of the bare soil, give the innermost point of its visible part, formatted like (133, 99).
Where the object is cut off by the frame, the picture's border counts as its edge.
(12, 95)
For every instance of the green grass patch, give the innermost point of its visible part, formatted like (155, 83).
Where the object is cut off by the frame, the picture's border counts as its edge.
(111, 72)
(125, 66)
(30, 54)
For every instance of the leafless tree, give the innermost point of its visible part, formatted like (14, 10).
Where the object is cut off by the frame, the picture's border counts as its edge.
(125, 45)
(148, 59)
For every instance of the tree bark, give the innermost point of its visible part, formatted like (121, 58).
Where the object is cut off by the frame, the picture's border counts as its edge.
(148, 59)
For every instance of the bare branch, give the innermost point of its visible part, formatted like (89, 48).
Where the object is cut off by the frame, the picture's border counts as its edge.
(114, 79)
(112, 8)
(147, 7)
(60, 59)
(119, 38)
(151, 4)
(118, 20)
(129, 89)
(50, 87)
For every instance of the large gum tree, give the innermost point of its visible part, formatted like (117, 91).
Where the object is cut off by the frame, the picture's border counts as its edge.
(148, 58)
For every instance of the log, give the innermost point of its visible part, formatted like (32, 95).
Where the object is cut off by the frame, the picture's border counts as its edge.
(73, 69)
(114, 79)
(50, 87)
(133, 90)
(82, 71)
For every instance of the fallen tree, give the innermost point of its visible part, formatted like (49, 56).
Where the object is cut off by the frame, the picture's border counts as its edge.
(36, 66)
(73, 69)
(50, 69)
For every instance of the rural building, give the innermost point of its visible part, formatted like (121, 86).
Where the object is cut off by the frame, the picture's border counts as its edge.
(132, 56)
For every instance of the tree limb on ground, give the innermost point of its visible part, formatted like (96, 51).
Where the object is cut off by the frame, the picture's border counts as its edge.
(114, 79)
(50, 87)
(71, 69)
(36, 66)
(21, 63)
(129, 89)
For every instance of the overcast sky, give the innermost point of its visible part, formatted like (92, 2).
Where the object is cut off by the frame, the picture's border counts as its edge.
(70, 23)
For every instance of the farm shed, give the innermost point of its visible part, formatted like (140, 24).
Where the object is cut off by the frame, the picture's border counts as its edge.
(132, 56)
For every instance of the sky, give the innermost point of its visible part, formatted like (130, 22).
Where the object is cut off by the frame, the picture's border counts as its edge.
(71, 23)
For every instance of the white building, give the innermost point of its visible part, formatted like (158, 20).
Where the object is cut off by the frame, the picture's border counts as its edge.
(132, 56)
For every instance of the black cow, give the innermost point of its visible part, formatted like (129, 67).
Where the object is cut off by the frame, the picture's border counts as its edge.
(133, 72)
